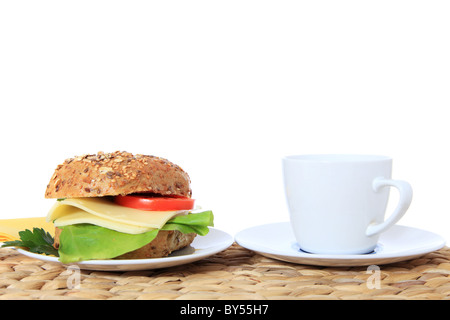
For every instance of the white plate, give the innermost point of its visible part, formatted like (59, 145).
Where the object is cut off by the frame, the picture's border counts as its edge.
(399, 243)
(202, 247)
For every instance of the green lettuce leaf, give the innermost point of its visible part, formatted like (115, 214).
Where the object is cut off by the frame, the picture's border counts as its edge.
(86, 241)
(191, 223)
(80, 242)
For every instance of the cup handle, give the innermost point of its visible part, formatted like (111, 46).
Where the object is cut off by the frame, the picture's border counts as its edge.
(405, 197)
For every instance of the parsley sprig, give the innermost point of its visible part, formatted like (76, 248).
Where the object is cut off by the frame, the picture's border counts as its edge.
(37, 241)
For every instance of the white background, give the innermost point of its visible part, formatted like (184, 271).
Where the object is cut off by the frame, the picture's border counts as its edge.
(225, 89)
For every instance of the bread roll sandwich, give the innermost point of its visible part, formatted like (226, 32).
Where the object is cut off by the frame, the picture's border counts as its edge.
(122, 206)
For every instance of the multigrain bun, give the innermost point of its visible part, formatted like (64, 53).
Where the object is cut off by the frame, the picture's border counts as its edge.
(118, 173)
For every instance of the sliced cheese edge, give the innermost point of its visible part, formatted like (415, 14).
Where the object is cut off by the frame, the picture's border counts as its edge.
(80, 216)
(105, 213)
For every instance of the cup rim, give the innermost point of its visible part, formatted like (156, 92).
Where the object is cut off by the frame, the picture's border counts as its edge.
(336, 158)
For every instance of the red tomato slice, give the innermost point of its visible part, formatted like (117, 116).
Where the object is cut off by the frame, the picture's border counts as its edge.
(155, 203)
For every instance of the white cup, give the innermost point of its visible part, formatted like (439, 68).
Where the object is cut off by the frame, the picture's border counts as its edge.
(337, 203)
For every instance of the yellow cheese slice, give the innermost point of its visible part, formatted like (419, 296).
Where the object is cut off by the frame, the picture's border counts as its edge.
(105, 213)
(10, 228)
(79, 216)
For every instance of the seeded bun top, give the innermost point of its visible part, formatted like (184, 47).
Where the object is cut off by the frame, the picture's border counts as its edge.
(118, 173)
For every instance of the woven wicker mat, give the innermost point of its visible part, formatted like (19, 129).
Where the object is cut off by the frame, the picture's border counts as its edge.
(235, 273)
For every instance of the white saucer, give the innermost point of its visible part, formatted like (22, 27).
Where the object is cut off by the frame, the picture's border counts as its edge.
(202, 247)
(276, 240)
